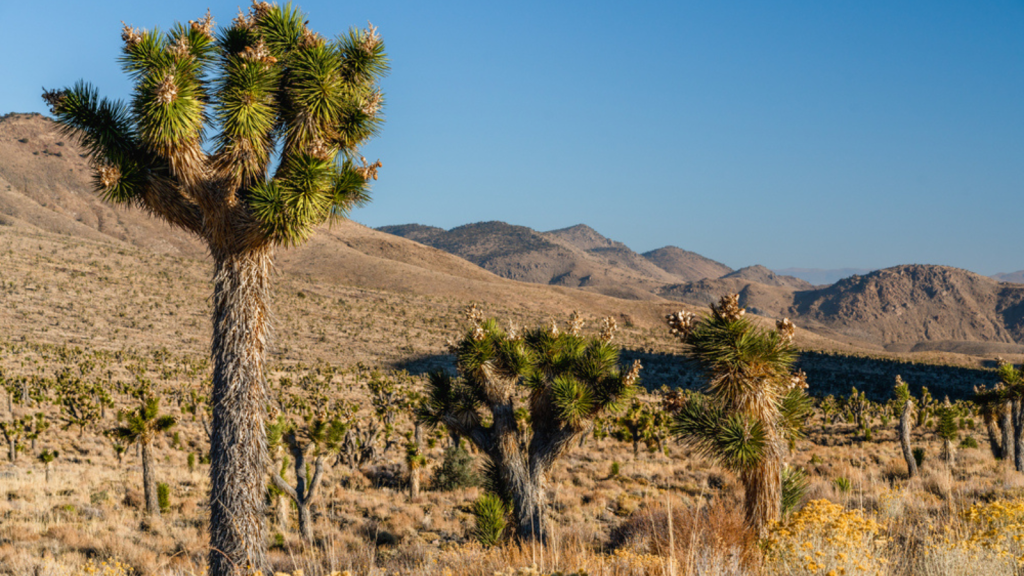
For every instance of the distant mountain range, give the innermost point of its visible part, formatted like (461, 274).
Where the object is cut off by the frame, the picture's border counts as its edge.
(901, 308)
(819, 277)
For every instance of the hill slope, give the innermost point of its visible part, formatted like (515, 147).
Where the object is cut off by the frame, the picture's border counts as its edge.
(687, 265)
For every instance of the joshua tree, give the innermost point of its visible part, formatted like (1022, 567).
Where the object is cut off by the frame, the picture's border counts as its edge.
(541, 390)
(319, 437)
(947, 430)
(12, 430)
(286, 112)
(140, 426)
(641, 423)
(307, 426)
(753, 406)
(47, 456)
(906, 414)
(82, 402)
(414, 460)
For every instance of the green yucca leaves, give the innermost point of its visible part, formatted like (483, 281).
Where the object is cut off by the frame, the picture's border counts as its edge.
(348, 190)
(142, 424)
(732, 439)
(282, 29)
(573, 400)
(363, 60)
(265, 86)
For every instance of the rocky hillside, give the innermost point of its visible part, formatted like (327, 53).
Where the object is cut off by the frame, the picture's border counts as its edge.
(762, 275)
(687, 265)
(577, 257)
(916, 303)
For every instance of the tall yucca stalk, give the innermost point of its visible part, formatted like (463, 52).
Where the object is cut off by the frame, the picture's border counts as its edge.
(753, 404)
(248, 139)
(541, 389)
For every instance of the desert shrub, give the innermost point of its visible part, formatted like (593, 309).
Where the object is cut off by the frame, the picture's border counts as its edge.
(825, 538)
(987, 538)
(919, 456)
(191, 461)
(491, 515)
(614, 470)
(163, 496)
(456, 470)
(968, 442)
(843, 484)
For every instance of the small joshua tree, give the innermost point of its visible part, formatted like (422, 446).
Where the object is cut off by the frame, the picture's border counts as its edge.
(902, 391)
(247, 138)
(47, 456)
(307, 428)
(82, 402)
(753, 404)
(947, 430)
(415, 461)
(642, 423)
(13, 430)
(541, 390)
(140, 426)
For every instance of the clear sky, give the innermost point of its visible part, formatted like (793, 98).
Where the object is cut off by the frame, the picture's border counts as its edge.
(812, 134)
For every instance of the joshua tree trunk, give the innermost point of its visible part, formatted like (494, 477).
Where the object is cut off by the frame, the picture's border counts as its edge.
(908, 454)
(948, 451)
(762, 487)
(282, 512)
(1018, 435)
(525, 468)
(238, 445)
(414, 483)
(1006, 426)
(415, 464)
(148, 481)
(46, 469)
(992, 427)
(12, 449)
(525, 488)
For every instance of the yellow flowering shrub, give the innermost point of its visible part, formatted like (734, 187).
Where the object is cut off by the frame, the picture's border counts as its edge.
(112, 567)
(826, 539)
(990, 534)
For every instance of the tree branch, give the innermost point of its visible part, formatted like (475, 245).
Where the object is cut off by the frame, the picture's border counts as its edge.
(284, 486)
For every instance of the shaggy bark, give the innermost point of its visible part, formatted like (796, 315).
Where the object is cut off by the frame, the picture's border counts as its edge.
(762, 486)
(238, 445)
(414, 483)
(1006, 427)
(149, 481)
(992, 427)
(908, 454)
(525, 466)
(1018, 435)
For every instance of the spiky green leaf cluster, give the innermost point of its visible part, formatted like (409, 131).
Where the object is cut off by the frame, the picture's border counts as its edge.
(142, 424)
(568, 379)
(738, 442)
(263, 119)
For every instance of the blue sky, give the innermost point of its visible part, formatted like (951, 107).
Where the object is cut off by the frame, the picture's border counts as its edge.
(812, 134)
